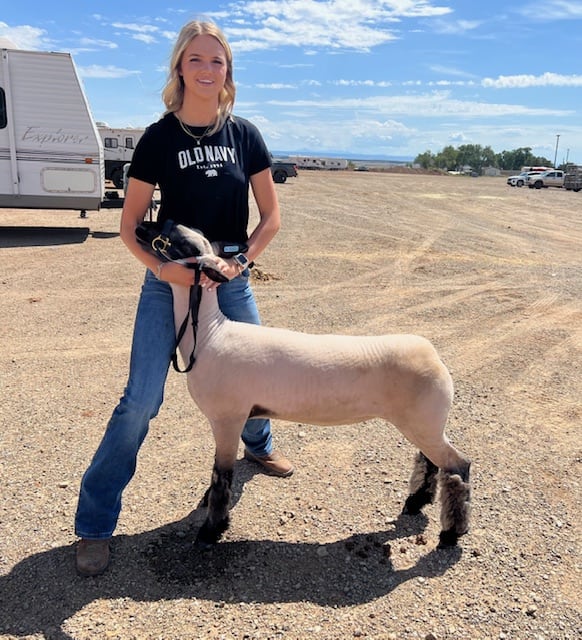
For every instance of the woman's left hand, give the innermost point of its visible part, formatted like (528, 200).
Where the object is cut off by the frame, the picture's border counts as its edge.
(229, 268)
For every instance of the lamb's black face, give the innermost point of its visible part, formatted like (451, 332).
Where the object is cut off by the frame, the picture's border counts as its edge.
(193, 244)
(178, 243)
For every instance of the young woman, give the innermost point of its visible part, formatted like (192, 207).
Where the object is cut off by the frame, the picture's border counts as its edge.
(203, 160)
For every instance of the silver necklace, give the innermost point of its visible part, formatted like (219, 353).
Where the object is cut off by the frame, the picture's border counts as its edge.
(186, 130)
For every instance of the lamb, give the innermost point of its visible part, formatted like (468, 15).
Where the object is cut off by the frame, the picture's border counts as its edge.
(242, 370)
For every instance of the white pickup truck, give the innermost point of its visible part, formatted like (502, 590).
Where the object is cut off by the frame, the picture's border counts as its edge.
(553, 178)
(521, 179)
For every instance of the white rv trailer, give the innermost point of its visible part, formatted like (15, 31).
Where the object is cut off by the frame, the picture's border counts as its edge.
(310, 162)
(118, 147)
(51, 155)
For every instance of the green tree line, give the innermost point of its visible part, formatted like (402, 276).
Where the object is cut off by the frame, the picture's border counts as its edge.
(477, 157)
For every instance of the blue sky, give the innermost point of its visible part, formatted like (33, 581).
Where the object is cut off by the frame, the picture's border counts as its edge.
(351, 77)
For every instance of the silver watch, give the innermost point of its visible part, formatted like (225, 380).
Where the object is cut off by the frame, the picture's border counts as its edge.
(241, 260)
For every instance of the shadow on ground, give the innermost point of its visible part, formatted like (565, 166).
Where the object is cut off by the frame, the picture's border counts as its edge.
(43, 590)
(11, 237)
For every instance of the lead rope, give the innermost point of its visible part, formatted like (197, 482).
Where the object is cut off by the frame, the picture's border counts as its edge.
(195, 298)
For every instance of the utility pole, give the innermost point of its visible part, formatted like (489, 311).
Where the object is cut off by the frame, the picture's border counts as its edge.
(556, 154)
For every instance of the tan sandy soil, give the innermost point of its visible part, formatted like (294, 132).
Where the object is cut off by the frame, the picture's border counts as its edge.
(492, 275)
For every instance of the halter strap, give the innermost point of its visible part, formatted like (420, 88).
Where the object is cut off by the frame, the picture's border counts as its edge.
(194, 306)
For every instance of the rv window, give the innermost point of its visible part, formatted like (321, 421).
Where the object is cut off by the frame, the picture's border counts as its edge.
(3, 112)
(129, 143)
(111, 143)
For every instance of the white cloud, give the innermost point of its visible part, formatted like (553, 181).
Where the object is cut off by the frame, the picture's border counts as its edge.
(169, 35)
(457, 137)
(361, 83)
(450, 71)
(548, 10)
(145, 33)
(456, 27)
(109, 72)
(547, 79)
(451, 83)
(335, 24)
(25, 36)
(131, 26)
(246, 45)
(378, 129)
(297, 65)
(276, 86)
(145, 38)
(292, 133)
(103, 44)
(437, 104)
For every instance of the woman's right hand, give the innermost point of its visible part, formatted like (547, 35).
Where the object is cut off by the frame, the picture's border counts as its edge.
(179, 274)
(176, 273)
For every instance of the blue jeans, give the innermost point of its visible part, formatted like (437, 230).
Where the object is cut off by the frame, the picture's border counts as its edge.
(154, 337)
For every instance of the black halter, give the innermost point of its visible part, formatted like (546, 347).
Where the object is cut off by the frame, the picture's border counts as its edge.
(194, 306)
(159, 241)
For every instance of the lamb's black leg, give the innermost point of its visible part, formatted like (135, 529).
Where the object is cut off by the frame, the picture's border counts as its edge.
(217, 519)
(455, 505)
(422, 485)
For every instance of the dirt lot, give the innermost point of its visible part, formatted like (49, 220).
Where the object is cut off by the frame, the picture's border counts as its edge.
(492, 275)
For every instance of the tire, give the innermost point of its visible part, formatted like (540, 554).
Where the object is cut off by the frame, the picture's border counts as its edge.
(279, 177)
(539, 184)
(519, 183)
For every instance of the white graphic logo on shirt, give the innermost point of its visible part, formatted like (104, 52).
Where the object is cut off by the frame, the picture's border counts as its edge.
(211, 173)
(206, 157)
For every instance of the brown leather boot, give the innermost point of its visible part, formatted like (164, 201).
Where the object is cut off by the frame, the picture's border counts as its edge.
(92, 556)
(275, 463)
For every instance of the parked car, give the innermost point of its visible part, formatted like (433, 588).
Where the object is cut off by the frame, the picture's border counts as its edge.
(546, 179)
(521, 179)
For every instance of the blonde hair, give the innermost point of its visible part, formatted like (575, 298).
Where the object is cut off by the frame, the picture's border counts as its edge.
(173, 92)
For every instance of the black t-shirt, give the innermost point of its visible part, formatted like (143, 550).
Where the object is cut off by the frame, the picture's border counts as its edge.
(206, 185)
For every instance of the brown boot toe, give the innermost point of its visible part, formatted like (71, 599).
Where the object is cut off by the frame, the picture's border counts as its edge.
(92, 557)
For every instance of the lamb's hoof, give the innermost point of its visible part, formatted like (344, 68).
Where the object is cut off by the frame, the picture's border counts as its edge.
(203, 545)
(208, 536)
(448, 539)
(412, 506)
(206, 539)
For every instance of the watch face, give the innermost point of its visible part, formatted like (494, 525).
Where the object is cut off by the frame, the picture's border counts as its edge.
(241, 259)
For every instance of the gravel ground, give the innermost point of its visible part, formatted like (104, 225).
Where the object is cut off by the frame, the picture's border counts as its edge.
(492, 275)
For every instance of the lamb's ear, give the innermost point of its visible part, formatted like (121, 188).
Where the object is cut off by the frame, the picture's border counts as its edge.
(208, 264)
(217, 276)
(214, 274)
